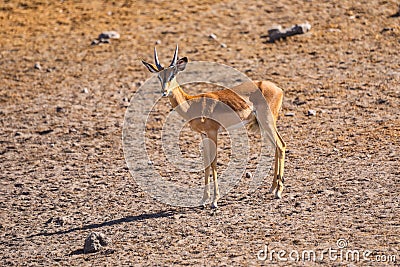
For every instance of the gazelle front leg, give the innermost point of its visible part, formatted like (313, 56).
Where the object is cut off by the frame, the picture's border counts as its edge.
(206, 158)
(213, 153)
(216, 189)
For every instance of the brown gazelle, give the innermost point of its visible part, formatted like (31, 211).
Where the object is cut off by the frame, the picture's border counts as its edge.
(208, 127)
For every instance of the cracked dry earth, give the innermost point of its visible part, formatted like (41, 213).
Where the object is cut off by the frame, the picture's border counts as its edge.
(62, 168)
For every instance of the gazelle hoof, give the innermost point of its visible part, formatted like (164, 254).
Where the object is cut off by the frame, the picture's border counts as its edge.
(203, 203)
(272, 190)
(278, 195)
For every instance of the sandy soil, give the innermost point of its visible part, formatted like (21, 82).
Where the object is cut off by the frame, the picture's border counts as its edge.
(63, 173)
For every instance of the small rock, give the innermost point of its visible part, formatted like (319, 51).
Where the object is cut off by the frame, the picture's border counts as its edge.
(289, 114)
(248, 175)
(59, 109)
(277, 33)
(311, 112)
(85, 90)
(158, 42)
(212, 36)
(59, 220)
(37, 66)
(150, 162)
(94, 242)
(223, 45)
(109, 35)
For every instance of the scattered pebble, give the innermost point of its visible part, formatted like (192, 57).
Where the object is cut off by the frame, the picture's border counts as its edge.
(311, 112)
(329, 192)
(397, 14)
(387, 29)
(20, 185)
(44, 132)
(150, 162)
(94, 242)
(289, 114)
(158, 42)
(85, 90)
(248, 175)
(59, 109)
(212, 36)
(381, 101)
(223, 45)
(37, 66)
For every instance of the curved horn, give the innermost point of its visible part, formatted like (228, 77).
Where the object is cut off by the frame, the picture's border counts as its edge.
(159, 67)
(175, 58)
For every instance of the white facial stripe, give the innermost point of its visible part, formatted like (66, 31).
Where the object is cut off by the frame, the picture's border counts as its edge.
(165, 77)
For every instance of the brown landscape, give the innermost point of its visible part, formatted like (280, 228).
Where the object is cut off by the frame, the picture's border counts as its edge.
(63, 174)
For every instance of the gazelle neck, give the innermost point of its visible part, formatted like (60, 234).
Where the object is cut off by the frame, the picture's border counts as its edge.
(178, 97)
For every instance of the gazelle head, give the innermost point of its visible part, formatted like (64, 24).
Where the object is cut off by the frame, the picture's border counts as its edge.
(167, 75)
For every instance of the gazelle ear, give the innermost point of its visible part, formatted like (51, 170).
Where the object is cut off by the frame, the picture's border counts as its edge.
(181, 63)
(152, 68)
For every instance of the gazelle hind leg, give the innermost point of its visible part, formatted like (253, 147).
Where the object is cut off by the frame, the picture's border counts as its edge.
(276, 169)
(281, 150)
(206, 194)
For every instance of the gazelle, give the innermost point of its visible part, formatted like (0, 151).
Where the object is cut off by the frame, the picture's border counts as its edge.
(208, 127)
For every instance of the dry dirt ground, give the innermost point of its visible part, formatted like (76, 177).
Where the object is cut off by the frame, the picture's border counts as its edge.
(62, 168)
